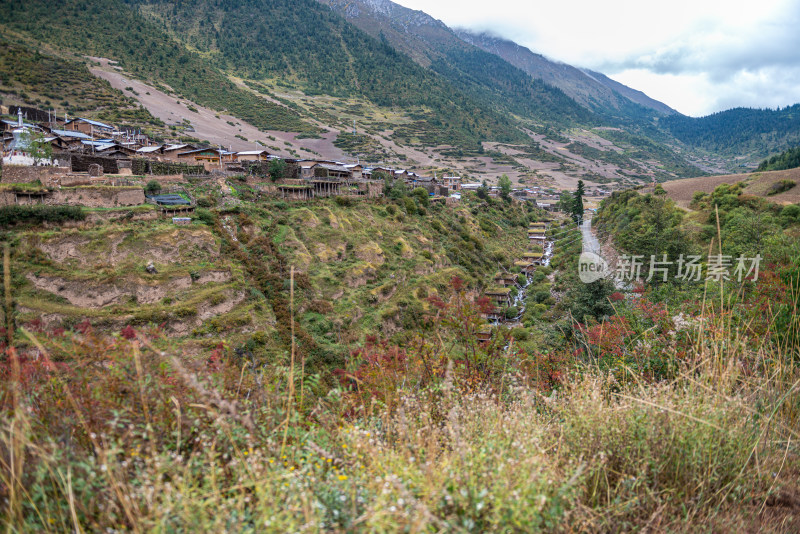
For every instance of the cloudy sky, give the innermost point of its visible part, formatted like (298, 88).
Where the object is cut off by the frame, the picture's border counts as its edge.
(698, 56)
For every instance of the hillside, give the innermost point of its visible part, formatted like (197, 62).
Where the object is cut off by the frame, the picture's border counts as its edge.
(758, 184)
(320, 53)
(741, 134)
(144, 50)
(416, 94)
(40, 78)
(789, 159)
(592, 90)
(360, 268)
(487, 78)
(326, 366)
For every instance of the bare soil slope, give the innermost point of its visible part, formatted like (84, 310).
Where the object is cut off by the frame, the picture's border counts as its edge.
(681, 191)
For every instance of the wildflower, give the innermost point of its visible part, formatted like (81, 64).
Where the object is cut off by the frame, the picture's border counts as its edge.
(342, 477)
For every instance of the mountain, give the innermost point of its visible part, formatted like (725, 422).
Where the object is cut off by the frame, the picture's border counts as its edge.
(193, 48)
(629, 93)
(109, 28)
(415, 33)
(593, 90)
(739, 132)
(486, 77)
(422, 94)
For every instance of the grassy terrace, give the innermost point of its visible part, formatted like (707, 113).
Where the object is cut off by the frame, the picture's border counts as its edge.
(656, 410)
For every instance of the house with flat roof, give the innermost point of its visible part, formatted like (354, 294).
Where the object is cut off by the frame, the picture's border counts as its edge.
(453, 183)
(253, 155)
(89, 127)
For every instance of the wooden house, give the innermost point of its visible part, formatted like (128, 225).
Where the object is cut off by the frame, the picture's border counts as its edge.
(536, 258)
(253, 155)
(525, 266)
(90, 127)
(484, 335)
(537, 235)
(152, 152)
(501, 296)
(209, 158)
(505, 279)
(328, 170)
(356, 171)
(377, 172)
(172, 152)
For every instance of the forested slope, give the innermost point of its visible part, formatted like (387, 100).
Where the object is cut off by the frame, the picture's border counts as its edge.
(109, 28)
(739, 131)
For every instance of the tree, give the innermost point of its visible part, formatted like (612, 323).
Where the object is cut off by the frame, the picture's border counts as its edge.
(505, 188)
(153, 187)
(577, 203)
(36, 147)
(482, 191)
(422, 195)
(277, 169)
(590, 300)
(564, 203)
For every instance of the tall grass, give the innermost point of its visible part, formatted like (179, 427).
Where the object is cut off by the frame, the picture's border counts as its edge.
(122, 433)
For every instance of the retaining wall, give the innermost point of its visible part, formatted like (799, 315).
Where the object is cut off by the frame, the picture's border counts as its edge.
(20, 174)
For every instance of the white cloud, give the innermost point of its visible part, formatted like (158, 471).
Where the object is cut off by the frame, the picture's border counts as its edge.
(699, 56)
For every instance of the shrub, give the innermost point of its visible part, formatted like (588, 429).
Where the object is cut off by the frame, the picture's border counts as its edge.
(421, 194)
(205, 216)
(411, 207)
(791, 212)
(781, 187)
(205, 202)
(11, 215)
(153, 187)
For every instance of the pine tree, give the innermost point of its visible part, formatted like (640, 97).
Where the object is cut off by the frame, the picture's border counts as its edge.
(577, 203)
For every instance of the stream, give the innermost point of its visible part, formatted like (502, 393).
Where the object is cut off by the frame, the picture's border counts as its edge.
(522, 291)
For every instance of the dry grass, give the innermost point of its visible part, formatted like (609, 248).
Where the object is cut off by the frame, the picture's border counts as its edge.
(146, 440)
(681, 191)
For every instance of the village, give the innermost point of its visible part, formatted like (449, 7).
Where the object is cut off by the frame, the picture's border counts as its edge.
(61, 152)
(93, 165)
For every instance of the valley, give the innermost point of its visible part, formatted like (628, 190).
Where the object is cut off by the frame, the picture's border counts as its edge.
(316, 266)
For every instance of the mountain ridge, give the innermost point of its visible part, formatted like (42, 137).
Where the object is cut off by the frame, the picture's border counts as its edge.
(591, 89)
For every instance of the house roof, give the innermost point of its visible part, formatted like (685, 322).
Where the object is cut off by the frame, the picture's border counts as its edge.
(94, 123)
(175, 147)
(252, 152)
(149, 149)
(16, 123)
(198, 150)
(498, 291)
(67, 133)
(98, 145)
(338, 168)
